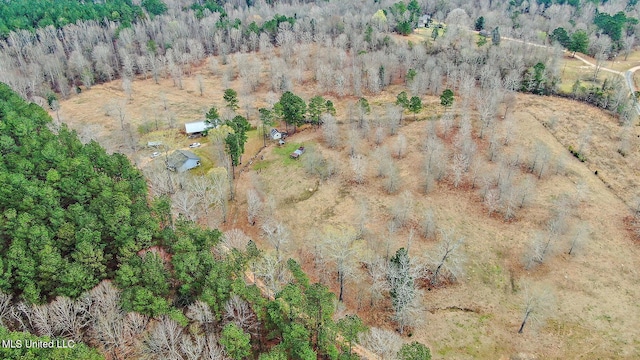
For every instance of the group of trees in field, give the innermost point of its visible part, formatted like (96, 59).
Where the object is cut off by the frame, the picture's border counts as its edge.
(294, 111)
(405, 15)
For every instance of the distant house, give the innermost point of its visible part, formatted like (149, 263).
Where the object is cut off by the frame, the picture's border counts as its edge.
(183, 160)
(424, 21)
(275, 134)
(197, 127)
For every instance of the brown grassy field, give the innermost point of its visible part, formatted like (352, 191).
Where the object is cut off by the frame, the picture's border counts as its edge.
(596, 290)
(573, 69)
(620, 64)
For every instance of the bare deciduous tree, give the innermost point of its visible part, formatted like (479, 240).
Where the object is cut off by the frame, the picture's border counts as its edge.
(192, 347)
(164, 340)
(401, 209)
(127, 87)
(458, 167)
(254, 206)
(201, 312)
(538, 302)
(381, 342)
(392, 181)
(271, 271)
(394, 118)
(542, 243)
(235, 239)
(70, 317)
(5, 307)
(428, 223)
(277, 235)
(446, 123)
(492, 200)
(200, 84)
(185, 203)
(435, 158)
(377, 270)
(400, 147)
(239, 312)
(380, 135)
(579, 238)
(540, 159)
(220, 190)
(41, 320)
(359, 168)
(340, 246)
(405, 296)
(384, 161)
(117, 109)
(330, 130)
(487, 107)
(213, 350)
(447, 258)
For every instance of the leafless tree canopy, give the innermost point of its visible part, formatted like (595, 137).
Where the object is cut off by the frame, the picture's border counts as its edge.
(538, 303)
(381, 342)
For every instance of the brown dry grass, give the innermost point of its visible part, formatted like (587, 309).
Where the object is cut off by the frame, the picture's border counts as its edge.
(620, 64)
(597, 290)
(576, 120)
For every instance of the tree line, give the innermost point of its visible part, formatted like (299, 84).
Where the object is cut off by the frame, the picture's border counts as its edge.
(80, 55)
(31, 15)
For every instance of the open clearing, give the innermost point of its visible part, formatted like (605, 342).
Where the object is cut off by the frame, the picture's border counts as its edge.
(573, 69)
(596, 291)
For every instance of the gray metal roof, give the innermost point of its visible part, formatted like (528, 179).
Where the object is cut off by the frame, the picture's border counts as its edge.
(179, 157)
(189, 154)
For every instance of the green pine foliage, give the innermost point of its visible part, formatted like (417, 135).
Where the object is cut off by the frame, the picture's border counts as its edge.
(33, 14)
(70, 213)
(291, 108)
(406, 16)
(403, 100)
(614, 26)
(561, 36)
(154, 7)
(301, 320)
(230, 96)
(536, 80)
(447, 98)
(235, 342)
(235, 141)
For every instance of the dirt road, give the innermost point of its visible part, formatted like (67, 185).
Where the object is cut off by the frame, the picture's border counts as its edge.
(628, 75)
